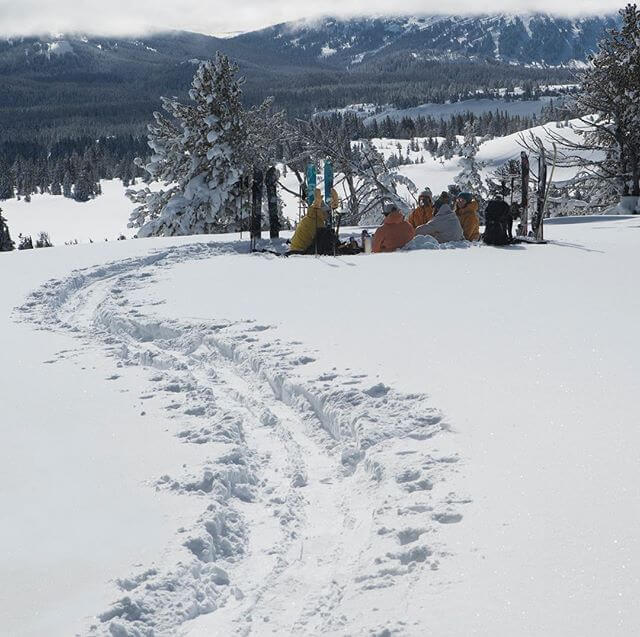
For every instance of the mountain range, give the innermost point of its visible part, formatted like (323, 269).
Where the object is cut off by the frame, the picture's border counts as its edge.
(70, 84)
(536, 39)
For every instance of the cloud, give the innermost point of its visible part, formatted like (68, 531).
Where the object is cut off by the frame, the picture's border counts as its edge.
(123, 17)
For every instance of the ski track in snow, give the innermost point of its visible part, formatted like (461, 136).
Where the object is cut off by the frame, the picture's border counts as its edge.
(318, 494)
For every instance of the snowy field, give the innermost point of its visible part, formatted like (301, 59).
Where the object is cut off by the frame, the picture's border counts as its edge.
(104, 217)
(197, 441)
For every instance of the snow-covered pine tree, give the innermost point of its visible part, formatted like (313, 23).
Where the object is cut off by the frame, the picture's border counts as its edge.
(6, 181)
(469, 178)
(43, 240)
(85, 187)
(6, 244)
(67, 185)
(505, 182)
(200, 153)
(610, 103)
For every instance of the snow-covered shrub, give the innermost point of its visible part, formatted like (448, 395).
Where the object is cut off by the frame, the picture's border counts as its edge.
(25, 242)
(43, 240)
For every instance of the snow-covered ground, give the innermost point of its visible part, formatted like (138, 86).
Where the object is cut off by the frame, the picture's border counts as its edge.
(434, 442)
(104, 217)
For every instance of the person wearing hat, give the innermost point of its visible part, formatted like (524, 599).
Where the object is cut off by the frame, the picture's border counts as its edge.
(424, 212)
(444, 198)
(467, 210)
(394, 232)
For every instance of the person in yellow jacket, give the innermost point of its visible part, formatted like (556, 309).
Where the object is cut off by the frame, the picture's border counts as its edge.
(424, 212)
(315, 218)
(467, 211)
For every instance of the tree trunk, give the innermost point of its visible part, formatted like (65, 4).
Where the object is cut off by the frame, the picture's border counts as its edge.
(354, 204)
(256, 204)
(271, 179)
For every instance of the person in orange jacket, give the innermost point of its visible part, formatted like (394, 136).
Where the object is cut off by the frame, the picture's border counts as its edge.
(424, 212)
(394, 232)
(467, 211)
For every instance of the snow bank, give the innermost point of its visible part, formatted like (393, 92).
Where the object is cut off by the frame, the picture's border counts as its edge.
(425, 242)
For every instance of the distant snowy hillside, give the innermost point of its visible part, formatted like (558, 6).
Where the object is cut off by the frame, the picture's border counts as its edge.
(535, 39)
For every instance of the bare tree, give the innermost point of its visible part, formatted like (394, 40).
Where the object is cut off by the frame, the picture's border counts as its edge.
(367, 180)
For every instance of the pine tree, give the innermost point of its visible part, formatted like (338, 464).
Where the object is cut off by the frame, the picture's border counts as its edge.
(610, 102)
(611, 89)
(67, 185)
(203, 149)
(6, 244)
(469, 178)
(85, 186)
(6, 181)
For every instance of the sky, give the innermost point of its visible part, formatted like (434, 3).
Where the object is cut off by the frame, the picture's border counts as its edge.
(217, 17)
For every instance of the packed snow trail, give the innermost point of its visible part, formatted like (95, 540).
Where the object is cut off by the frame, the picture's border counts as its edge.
(318, 495)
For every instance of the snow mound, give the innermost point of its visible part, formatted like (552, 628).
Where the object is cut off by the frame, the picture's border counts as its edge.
(426, 242)
(626, 206)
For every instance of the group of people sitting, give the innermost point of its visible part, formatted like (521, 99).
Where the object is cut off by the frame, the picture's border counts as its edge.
(436, 219)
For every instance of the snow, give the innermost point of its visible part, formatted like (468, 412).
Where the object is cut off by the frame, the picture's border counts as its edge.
(61, 47)
(327, 51)
(453, 453)
(105, 217)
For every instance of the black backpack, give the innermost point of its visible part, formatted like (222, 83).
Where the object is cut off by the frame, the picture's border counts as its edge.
(498, 224)
(325, 242)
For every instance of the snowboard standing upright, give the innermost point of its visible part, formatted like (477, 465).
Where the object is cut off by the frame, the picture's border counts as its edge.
(271, 180)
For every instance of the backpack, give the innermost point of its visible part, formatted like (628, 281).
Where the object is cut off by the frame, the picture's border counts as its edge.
(325, 242)
(498, 222)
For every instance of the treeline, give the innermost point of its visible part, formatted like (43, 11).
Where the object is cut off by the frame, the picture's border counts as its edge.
(490, 124)
(72, 167)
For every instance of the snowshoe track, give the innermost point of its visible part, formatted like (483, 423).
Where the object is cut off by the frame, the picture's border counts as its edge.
(318, 494)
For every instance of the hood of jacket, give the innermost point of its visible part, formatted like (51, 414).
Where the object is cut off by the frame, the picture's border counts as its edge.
(444, 210)
(394, 217)
(317, 214)
(471, 207)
